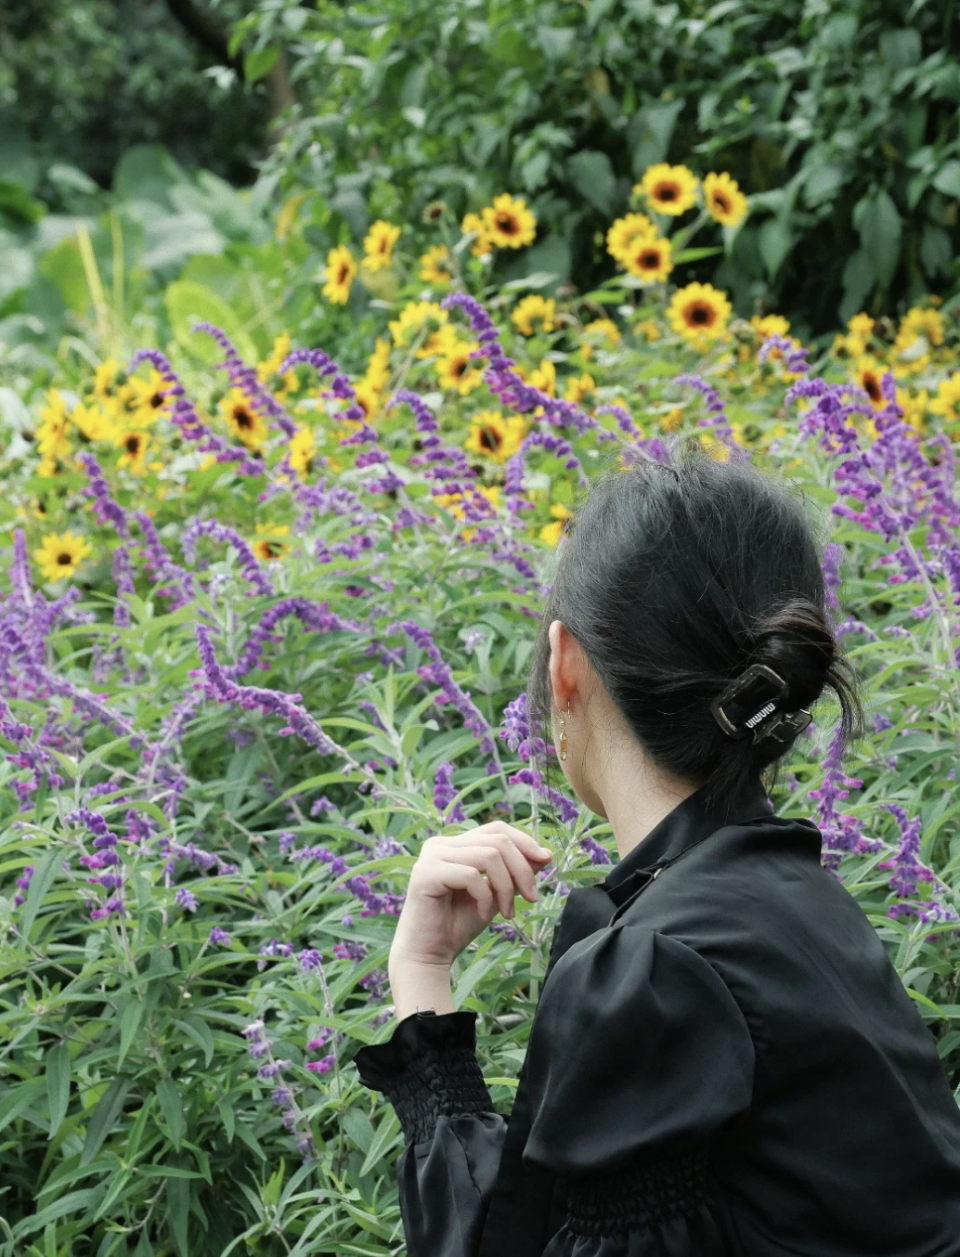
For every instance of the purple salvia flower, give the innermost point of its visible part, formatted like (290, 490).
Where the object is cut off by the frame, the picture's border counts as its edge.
(219, 937)
(246, 380)
(186, 899)
(221, 532)
(105, 510)
(444, 792)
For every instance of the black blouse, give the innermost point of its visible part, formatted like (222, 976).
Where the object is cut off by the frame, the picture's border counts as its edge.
(723, 1063)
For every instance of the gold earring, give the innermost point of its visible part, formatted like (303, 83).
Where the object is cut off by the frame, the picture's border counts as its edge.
(563, 731)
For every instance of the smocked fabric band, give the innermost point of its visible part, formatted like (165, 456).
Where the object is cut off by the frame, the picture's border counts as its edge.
(428, 1069)
(644, 1195)
(442, 1082)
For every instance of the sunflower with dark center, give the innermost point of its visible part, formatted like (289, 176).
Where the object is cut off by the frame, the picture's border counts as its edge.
(725, 203)
(456, 369)
(495, 437)
(699, 312)
(868, 374)
(508, 223)
(60, 556)
(669, 189)
(243, 420)
(340, 273)
(649, 260)
(133, 445)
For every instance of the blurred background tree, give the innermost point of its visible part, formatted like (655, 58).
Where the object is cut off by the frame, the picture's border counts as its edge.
(87, 81)
(837, 117)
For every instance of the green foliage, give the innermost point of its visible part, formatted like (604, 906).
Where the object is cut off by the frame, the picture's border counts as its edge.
(133, 1116)
(88, 81)
(838, 115)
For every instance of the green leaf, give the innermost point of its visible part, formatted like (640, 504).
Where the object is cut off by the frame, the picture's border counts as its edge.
(274, 1186)
(104, 1116)
(696, 255)
(178, 1213)
(592, 175)
(171, 1106)
(19, 204)
(947, 179)
(386, 1136)
(18, 1098)
(43, 878)
(196, 1028)
(774, 242)
(228, 1117)
(130, 1020)
(58, 1085)
(880, 231)
(259, 63)
(188, 303)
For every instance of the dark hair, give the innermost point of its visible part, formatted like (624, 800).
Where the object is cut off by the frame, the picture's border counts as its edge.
(676, 577)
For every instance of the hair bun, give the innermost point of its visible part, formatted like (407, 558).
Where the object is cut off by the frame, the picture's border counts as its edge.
(798, 644)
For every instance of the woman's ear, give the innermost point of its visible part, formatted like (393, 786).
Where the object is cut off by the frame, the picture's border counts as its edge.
(564, 661)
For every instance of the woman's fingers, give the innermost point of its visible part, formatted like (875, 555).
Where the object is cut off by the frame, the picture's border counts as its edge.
(487, 859)
(466, 877)
(516, 859)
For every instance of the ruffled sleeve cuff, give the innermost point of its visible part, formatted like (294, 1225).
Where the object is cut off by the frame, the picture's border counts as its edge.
(428, 1069)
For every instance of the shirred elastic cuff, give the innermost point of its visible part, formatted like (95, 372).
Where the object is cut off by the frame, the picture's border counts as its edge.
(427, 1069)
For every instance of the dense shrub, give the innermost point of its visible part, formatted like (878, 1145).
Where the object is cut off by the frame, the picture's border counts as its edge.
(841, 113)
(266, 629)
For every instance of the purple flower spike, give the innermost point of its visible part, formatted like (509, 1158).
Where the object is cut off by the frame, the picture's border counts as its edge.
(219, 937)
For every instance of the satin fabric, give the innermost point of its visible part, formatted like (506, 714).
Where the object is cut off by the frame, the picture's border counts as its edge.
(723, 1063)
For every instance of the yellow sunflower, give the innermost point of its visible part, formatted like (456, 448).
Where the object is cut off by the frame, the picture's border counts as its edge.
(302, 449)
(508, 223)
(378, 368)
(649, 259)
(482, 244)
(494, 436)
(861, 325)
(134, 444)
(672, 419)
(699, 312)
(669, 189)
(368, 399)
(52, 439)
(594, 332)
(543, 377)
(551, 533)
(947, 401)
(60, 556)
(413, 316)
(456, 369)
(533, 308)
(267, 547)
(577, 387)
(623, 232)
(869, 374)
(725, 203)
(271, 365)
(148, 397)
(340, 274)
(105, 380)
(482, 496)
(914, 407)
(93, 421)
(649, 330)
(770, 325)
(435, 265)
(242, 420)
(378, 244)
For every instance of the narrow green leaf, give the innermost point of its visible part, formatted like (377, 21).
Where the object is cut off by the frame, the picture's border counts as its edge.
(104, 1116)
(58, 1085)
(178, 1212)
(43, 878)
(171, 1107)
(196, 1028)
(130, 1020)
(228, 1117)
(385, 1136)
(19, 1098)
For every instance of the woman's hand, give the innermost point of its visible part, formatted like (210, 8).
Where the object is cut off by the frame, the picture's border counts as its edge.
(449, 901)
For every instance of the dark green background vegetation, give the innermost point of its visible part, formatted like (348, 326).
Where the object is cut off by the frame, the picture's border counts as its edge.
(838, 117)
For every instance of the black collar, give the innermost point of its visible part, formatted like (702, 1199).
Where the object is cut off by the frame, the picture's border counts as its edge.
(688, 824)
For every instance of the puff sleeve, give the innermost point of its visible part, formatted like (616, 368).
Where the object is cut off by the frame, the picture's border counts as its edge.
(639, 1059)
(453, 1135)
